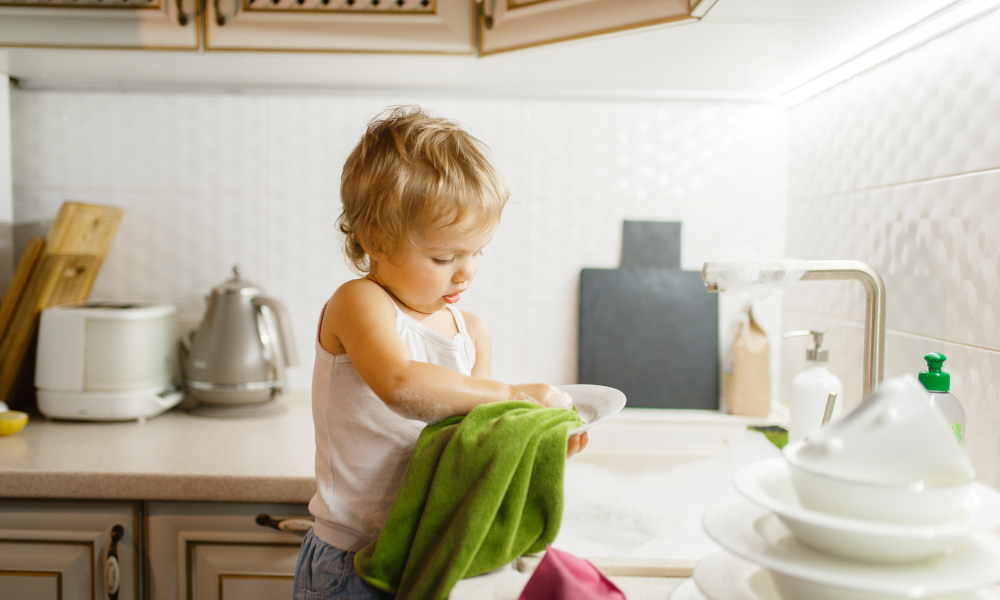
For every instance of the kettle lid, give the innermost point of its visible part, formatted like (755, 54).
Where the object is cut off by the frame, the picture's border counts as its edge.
(237, 285)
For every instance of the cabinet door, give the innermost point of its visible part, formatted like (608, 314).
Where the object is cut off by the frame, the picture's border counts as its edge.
(154, 24)
(435, 26)
(59, 550)
(512, 24)
(212, 550)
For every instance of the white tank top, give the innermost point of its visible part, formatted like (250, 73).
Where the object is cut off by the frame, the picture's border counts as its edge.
(362, 446)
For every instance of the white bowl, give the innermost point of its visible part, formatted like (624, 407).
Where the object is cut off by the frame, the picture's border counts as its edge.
(768, 484)
(918, 502)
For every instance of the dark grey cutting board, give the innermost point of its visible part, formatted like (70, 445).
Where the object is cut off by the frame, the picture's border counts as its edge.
(651, 333)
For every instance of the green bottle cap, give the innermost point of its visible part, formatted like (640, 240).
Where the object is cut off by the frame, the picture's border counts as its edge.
(934, 379)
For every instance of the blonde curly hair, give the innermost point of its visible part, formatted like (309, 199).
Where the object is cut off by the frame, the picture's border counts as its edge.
(411, 168)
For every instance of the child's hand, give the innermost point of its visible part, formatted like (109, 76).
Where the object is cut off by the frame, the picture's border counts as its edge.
(542, 393)
(576, 444)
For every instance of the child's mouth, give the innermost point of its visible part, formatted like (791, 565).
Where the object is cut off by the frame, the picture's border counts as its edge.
(452, 298)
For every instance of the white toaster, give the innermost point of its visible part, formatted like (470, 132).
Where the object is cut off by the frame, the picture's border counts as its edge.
(107, 361)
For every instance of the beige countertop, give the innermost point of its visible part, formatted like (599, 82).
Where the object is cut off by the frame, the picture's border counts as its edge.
(178, 456)
(174, 456)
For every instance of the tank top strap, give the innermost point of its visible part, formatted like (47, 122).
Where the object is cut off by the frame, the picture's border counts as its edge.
(459, 319)
(399, 311)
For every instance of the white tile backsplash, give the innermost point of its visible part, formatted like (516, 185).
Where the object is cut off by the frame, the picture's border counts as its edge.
(899, 167)
(209, 180)
(932, 112)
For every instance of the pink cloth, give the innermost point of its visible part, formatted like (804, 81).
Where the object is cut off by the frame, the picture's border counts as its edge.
(562, 576)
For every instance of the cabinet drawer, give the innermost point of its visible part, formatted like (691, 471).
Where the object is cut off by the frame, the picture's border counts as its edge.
(209, 551)
(60, 549)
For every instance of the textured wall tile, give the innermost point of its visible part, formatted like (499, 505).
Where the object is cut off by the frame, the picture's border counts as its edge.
(508, 333)
(937, 245)
(551, 344)
(932, 112)
(310, 137)
(169, 246)
(211, 180)
(148, 142)
(305, 256)
(668, 151)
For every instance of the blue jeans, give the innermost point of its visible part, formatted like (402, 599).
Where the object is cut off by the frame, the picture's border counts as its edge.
(325, 572)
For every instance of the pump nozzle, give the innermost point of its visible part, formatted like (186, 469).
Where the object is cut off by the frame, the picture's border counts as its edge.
(818, 353)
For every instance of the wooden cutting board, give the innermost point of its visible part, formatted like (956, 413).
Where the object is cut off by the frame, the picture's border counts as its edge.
(60, 269)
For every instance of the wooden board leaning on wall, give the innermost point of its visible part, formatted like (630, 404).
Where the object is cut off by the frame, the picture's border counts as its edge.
(59, 269)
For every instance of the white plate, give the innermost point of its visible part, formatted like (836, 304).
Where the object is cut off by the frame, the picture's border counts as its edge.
(768, 483)
(595, 403)
(687, 591)
(722, 576)
(758, 536)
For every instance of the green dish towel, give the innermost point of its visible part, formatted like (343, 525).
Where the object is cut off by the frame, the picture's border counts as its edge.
(479, 491)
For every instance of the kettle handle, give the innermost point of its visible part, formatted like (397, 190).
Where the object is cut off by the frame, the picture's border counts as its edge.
(284, 328)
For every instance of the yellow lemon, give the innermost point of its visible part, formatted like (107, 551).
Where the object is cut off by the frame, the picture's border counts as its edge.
(12, 421)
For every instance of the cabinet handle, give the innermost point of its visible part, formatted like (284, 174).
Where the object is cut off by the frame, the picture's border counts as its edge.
(489, 8)
(112, 570)
(221, 18)
(183, 18)
(291, 525)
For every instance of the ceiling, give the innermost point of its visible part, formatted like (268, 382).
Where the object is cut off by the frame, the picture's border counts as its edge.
(741, 49)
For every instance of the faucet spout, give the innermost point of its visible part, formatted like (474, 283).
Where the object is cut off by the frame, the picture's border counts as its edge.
(719, 275)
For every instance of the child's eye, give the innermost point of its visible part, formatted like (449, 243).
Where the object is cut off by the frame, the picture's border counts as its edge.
(444, 261)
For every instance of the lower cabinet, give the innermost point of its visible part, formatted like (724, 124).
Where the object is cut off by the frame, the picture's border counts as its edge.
(213, 551)
(70, 550)
(155, 550)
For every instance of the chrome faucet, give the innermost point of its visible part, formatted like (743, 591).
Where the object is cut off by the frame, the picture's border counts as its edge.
(717, 274)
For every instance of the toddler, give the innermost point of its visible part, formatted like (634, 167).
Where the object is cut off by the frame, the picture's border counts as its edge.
(420, 202)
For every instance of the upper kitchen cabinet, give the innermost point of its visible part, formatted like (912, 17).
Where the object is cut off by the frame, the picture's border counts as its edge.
(424, 26)
(113, 24)
(513, 24)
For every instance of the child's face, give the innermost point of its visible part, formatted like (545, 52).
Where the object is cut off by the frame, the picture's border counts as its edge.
(433, 268)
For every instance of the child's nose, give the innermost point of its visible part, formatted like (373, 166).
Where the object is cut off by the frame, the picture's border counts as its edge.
(466, 271)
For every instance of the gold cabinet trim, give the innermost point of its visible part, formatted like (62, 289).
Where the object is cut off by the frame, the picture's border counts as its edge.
(56, 574)
(154, 5)
(675, 19)
(246, 6)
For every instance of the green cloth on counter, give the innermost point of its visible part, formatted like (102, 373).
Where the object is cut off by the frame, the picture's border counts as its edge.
(774, 434)
(480, 491)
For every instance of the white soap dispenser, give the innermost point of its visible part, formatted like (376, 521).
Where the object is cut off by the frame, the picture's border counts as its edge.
(811, 389)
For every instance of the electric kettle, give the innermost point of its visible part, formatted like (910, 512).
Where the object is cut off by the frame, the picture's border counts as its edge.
(234, 364)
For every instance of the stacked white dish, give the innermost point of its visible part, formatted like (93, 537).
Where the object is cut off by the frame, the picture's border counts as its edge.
(879, 505)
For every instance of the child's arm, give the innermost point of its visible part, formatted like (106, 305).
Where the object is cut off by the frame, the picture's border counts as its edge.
(361, 319)
(480, 334)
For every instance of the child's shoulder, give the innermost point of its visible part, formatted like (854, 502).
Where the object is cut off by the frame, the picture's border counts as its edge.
(475, 324)
(355, 301)
(356, 293)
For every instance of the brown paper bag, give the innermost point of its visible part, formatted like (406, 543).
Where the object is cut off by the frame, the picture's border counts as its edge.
(747, 387)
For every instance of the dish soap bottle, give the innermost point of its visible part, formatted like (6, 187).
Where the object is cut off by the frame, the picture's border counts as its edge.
(938, 383)
(811, 389)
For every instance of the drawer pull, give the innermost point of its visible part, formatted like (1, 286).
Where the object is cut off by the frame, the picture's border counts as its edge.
(291, 525)
(112, 570)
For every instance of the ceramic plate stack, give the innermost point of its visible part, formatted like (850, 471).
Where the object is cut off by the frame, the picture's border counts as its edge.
(802, 539)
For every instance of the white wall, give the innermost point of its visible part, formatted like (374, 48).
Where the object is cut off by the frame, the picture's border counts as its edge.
(900, 167)
(208, 180)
